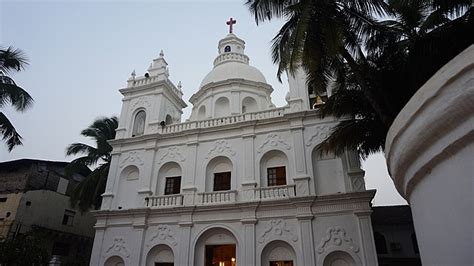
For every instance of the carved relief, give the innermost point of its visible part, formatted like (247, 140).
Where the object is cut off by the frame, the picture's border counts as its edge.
(277, 228)
(280, 254)
(173, 154)
(321, 132)
(164, 232)
(336, 236)
(220, 147)
(118, 246)
(358, 184)
(140, 102)
(273, 140)
(132, 157)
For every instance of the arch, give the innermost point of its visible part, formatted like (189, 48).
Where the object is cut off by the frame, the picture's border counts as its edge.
(139, 123)
(167, 170)
(328, 179)
(168, 120)
(211, 236)
(130, 172)
(160, 254)
(202, 112)
(128, 181)
(278, 251)
(339, 258)
(222, 107)
(380, 243)
(219, 164)
(249, 105)
(114, 261)
(227, 49)
(272, 159)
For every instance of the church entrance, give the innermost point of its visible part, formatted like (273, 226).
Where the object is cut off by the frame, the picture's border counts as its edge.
(164, 264)
(220, 255)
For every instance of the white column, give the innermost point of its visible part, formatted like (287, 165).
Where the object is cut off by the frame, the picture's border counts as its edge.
(144, 189)
(301, 178)
(97, 246)
(307, 242)
(184, 243)
(110, 190)
(248, 248)
(366, 238)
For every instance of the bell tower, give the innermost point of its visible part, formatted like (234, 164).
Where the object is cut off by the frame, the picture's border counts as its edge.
(150, 101)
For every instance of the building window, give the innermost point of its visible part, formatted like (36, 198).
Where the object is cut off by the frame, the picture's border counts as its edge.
(222, 181)
(61, 249)
(227, 49)
(173, 185)
(3, 199)
(380, 243)
(276, 176)
(139, 124)
(68, 218)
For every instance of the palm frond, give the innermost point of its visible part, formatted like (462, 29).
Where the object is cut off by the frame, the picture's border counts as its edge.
(16, 96)
(9, 133)
(12, 59)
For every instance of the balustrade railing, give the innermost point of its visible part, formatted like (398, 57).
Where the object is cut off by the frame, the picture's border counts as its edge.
(216, 197)
(221, 121)
(275, 192)
(164, 201)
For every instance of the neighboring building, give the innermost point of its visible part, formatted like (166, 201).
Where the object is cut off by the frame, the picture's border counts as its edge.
(394, 235)
(34, 196)
(240, 183)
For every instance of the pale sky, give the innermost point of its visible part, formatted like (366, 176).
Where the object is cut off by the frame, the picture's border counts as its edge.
(82, 52)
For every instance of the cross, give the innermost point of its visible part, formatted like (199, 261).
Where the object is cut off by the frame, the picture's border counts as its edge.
(230, 23)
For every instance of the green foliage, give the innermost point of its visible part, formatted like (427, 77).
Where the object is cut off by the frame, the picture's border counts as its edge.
(28, 249)
(373, 54)
(12, 60)
(88, 193)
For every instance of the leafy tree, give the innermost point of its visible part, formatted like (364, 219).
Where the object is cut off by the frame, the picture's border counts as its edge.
(28, 249)
(374, 55)
(88, 192)
(12, 60)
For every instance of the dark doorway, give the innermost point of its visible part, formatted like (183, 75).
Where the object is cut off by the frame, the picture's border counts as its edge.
(220, 255)
(164, 264)
(281, 263)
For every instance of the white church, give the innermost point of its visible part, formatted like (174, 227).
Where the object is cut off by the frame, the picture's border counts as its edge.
(240, 182)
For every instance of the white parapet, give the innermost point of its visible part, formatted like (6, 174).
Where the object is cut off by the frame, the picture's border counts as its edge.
(430, 154)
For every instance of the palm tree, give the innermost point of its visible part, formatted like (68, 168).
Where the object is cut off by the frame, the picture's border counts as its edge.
(11, 60)
(375, 64)
(88, 192)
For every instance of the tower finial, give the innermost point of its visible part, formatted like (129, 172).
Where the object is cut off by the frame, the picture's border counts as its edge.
(231, 22)
(179, 85)
(161, 53)
(133, 74)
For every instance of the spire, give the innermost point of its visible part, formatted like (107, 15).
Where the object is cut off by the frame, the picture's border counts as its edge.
(159, 66)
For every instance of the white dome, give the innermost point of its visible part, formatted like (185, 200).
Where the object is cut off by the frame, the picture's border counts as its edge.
(233, 70)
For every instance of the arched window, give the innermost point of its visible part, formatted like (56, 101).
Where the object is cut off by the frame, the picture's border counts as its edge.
(249, 105)
(169, 120)
(222, 107)
(202, 112)
(380, 244)
(227, 49)
(139, 124)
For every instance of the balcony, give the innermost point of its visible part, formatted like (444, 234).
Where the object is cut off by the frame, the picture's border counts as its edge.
(216, 197)
(164, 201)
(222, 197)
(275, 192)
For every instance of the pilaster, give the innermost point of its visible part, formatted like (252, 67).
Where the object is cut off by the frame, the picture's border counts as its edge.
(366, 238)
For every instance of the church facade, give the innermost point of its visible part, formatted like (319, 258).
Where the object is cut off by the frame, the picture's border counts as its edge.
(241, 182)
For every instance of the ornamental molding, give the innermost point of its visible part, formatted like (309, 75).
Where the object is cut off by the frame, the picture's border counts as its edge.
(165, 233)
(132, 157)
(118, 246)
(336, 236)
(277, 228)
(142, 101)
(321, 132)
(172, 154)
(273, 140)
(220, 147)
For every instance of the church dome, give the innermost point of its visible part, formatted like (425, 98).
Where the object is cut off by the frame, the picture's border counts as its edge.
(233, 70)
(232, 63)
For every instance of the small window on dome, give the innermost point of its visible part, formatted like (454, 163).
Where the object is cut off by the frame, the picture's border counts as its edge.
(227, 49)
